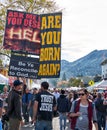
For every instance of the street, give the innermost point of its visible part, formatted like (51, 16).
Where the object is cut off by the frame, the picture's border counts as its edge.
(26, 127)
(55, 125)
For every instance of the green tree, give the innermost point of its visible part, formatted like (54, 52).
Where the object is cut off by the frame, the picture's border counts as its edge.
(64, 77)
(75, 82)
(1, 65)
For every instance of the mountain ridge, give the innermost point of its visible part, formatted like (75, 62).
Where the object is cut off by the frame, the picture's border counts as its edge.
(88, 65)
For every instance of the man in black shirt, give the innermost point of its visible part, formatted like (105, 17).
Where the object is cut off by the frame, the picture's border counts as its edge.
(44, 105)
(14, 106)
(63, 108)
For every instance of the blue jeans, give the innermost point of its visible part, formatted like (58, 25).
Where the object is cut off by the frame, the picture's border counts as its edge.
(25, 112)
(43, 125)
(62, 119)
(101, 119)
(31, 112)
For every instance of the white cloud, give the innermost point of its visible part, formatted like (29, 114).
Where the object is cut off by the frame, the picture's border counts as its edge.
(84, 27)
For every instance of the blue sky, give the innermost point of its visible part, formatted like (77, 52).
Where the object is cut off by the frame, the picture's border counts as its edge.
(84, 27)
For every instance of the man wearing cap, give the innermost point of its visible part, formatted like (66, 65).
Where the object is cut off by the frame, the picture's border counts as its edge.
(14, 106)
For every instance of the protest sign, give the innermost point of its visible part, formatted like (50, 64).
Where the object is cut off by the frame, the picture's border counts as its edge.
(22, 66)
(34, 34)
(50, 52)
(22, 32)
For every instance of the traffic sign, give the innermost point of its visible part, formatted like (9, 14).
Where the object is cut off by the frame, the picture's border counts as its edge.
(91, 83)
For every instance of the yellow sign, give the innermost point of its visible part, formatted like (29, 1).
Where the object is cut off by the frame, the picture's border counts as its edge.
(91, 82)
(50, 51)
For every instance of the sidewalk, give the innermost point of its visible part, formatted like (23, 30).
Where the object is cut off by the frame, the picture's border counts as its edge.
(56, 124)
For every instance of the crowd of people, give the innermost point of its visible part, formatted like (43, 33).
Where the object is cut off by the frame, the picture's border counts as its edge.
(39, 106)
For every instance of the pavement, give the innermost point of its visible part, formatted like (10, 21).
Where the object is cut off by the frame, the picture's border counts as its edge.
(55, 125)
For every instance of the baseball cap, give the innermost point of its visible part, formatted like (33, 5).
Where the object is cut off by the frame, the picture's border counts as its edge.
(17, 82)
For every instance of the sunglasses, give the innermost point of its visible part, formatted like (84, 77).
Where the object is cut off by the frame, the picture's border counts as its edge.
(81, 94)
